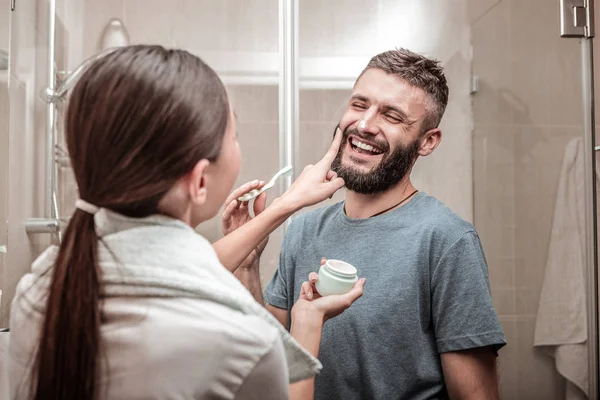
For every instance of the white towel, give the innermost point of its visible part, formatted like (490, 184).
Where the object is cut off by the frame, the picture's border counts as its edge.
(163, 257)
(561, 325)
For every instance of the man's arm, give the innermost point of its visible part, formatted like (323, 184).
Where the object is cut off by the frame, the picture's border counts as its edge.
(471, 374)
(249, 274)
(280, 314)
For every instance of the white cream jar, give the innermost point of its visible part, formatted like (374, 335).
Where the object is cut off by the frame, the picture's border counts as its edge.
(336, 277)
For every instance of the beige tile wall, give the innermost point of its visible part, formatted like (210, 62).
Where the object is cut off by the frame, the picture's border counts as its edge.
(527, 109)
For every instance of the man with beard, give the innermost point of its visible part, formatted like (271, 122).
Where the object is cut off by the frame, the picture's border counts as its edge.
(425, 327)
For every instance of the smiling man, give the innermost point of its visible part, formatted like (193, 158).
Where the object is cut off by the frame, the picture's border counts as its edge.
(425, 327)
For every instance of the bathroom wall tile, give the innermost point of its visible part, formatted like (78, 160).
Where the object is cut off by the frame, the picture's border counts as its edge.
(508, 360)
(493, 212)
(252, 25)
(539, 152)
(498, 241)
(23, 191)
(545, 68)
(537, 376)
(5, 28)
(199, 25)
(96, 15)
(531, 249)
(454, 188)
(400, 25)
(72, 18)
(260, 150)
(504, 301)
(355, 30)
(491, 63)
(37, 12)
(323, 104)
(315, 28)
(23, 42)
(494, 145)
(315, 139)
(501, 269)
(494, 181)
(527, 301)
(478, 9)
(457, 69)
(544, 145)
(255, 103)
(148, 21)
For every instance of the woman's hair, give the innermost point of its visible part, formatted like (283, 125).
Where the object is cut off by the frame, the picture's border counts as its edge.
(138, 119)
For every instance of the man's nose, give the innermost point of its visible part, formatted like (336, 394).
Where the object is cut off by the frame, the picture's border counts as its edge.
(367, 123)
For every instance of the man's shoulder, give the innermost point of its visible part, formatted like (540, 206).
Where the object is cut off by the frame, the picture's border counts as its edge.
(433, 223)
(315, 218)
(439, 218)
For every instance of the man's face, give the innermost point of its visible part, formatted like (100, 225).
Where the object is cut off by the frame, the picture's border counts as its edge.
(381, 128)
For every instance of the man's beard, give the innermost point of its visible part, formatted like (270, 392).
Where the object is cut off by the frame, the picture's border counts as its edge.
(392, 168)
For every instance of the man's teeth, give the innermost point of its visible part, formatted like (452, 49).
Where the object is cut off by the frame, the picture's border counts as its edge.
(364, 146)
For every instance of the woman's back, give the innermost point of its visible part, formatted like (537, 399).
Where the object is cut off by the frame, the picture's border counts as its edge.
(156, 343)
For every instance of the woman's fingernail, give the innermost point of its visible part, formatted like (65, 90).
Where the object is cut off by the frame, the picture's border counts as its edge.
(309, 295)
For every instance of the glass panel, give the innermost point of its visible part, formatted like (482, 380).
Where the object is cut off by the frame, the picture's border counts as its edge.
(529, 192)
(515, 112)
(239, 39)
(4, 125)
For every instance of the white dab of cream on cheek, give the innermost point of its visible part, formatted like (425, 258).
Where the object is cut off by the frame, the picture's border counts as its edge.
(362, 124)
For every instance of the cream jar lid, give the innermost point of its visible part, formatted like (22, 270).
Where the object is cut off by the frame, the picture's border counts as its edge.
(341, 268)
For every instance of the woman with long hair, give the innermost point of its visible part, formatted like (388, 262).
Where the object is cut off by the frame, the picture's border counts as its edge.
(134, 304)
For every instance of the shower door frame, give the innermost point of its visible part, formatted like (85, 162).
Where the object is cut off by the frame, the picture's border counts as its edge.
(577, 21)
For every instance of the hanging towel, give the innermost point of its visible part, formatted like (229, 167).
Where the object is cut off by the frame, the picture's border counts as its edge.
(561, 324)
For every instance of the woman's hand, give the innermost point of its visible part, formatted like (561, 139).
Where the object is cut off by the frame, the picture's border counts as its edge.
(311, 304)
(316, 182)
(237, 213)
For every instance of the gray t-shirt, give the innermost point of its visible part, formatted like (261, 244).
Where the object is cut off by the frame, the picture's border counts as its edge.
(427, 292)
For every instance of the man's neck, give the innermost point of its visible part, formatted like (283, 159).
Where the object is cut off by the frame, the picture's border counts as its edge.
(366, 205)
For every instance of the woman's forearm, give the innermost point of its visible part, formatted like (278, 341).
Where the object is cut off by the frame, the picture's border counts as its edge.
(307, 330)
(236, 246)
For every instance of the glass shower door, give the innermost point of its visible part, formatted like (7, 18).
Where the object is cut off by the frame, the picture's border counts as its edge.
(4, 129)
(534, 196)
(520, 105)
(237, 38)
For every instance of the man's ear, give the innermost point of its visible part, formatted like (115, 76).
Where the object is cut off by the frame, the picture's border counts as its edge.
(431, 139)
(197, 182)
